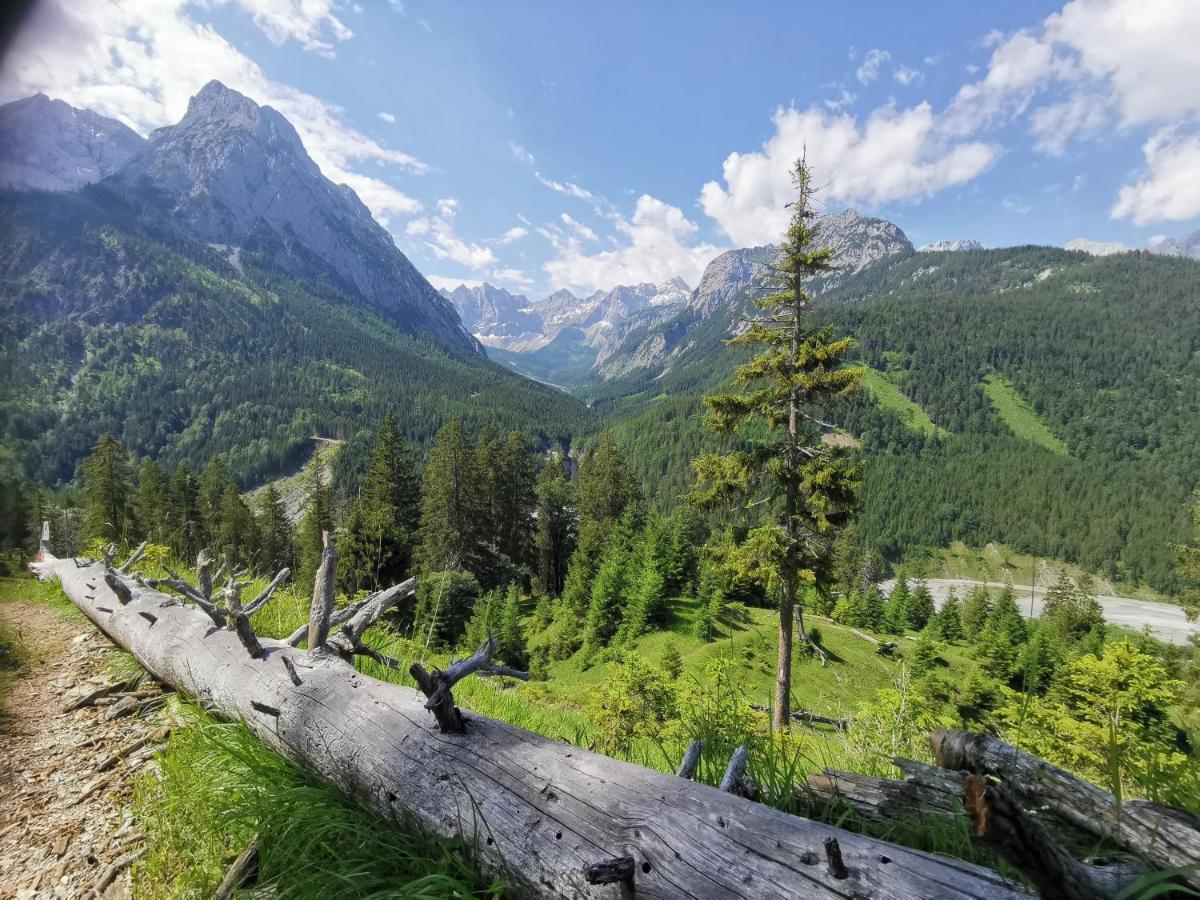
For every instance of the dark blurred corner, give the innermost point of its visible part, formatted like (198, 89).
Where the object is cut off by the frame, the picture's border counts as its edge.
(12, 14)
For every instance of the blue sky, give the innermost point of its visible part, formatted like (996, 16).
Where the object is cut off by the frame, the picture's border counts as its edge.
(543, 145)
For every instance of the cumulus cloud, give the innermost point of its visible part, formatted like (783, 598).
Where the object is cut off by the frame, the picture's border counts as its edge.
(140, 62)
(305, 21)
(388, 117)
(1081, 115)
(658, 246)
(896, 154)
(449, 282)
(906, 76)
(1169, 188)
(444, 243)
(869, 70)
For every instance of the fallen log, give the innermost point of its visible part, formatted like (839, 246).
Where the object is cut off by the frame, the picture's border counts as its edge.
(1164, 837)
(804, 717)
(536, 811)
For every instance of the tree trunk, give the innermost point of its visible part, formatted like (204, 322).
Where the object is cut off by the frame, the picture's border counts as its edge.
(538, 812)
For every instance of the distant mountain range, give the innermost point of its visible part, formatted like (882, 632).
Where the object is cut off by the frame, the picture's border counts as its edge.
(1187, 246)
(208, 290)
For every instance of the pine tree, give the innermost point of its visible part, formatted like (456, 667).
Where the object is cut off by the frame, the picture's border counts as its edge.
(275, 531)
(237, 537)
(19, 504)
(317, 519)
(451, 515)
(608, 594)
(975, 611)
(799, 369)
(920, 606)
(672, 660)
(896, 618)
(923, 655)
(514, 503)
(108, 513)
(686, 530)
(1001, 642)
(212, 491)
(1072, 608)
(606, 486)
(947, 623)
(557, 526)
(153, 503)
(446, 602)
(874, 611)
(376, 544)
(186, 525)
(510, 634)
(648, 589)
(488, 465)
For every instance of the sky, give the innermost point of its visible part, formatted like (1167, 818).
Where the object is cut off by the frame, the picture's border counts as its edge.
(543, 145)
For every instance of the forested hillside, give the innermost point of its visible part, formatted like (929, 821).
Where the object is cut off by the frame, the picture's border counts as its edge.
(115, 322)
(1058, 385)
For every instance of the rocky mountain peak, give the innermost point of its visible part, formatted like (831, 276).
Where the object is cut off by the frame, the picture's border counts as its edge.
(956, 245)
(236, 174)
(50, 145)
(1188, 245)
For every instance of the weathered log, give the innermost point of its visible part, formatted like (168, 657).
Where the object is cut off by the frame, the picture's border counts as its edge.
(805, 717)
(927, 793)
(240, 874)
(1166, 838)
(736, 781)
(322, 598)
(538, 811)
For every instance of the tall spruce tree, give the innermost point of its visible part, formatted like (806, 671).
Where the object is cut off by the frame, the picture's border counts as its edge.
(557, 525)
(186, 526)
(108, 510)
(379, 534)
(451, 517)
(153, 502)
(606, 486)
(275, 531)
(514, 502)
(317, 518)
(212, 492)
(809, 486)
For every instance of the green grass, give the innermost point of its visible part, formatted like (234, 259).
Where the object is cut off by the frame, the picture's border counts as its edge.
(220, 787)
(1019, 416)
(889, 397)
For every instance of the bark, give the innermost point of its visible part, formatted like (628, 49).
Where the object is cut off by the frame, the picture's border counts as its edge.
(538, 812)
(1164, 837)
(691, 759)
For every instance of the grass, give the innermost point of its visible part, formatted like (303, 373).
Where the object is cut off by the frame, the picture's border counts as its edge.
(220, 787)
(889, 397)
(1019, 416)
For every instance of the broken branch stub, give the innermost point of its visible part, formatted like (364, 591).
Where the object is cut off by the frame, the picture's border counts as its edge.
(321, 609)
(436, 685)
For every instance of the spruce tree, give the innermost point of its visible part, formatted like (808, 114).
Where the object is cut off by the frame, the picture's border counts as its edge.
(451, 515)
(212, 491)
(809, 485)
(153, 503)
(947, 623)
(557, 526)
(317, 518)
(606, 486)
(186, 528)
(514, 502)
(108, 511)
(19, 505)
(379, 533)
(686, 532)
(608, 594)
(975, 611)
(275, 531)
(896, 618)
(1072, 608)
(920, 606)
(647, 593)
(237, 537)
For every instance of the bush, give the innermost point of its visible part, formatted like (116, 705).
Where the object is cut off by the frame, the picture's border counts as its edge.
(635, 701)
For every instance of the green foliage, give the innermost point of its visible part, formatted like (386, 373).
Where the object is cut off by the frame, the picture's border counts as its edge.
(1019, 415)
(18, 506)
(498, 613)
(108, 512)
(635, 702)
(923, 655)
(1071, 606)
(605, 485)
(275, 531)
(377, 538)
(975, 611)
(947, 622)
(317, 519)
(445, 603)
(920, 606)
(220, 786)
(557, 526)
(672, 660)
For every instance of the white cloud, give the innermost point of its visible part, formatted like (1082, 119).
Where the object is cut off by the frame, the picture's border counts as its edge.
(846, 99)
(449, 283)
(1019, 67)
(869, 70)
(521, 153)
(1169, 189)
(658, 247)
(388, 117)
(512, 276)
(568, 188)
(513, 234)
(579, 228)
(444, 243)
(140, 62)
(303, 21)
(896, 154)
(1056, 125)
(1015, 205)
(906, 76)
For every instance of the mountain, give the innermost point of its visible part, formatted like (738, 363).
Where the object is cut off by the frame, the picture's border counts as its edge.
(731, 282)
(50, 145)
(954, 246)
(496, 317)
(1188, 246)
(218, 295)
(1096, 248)
(236, 176)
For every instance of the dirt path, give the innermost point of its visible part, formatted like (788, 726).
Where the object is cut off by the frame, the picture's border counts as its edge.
(63, 821)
